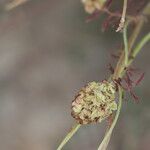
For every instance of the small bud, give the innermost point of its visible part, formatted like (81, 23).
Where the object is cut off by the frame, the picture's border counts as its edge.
(92, 5)
(94, 102)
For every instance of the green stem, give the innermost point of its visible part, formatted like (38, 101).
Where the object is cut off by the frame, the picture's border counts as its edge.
(135, 33)
(125, 44)
(106, 139)
(137, 49)
(120, 65)
(69, 136)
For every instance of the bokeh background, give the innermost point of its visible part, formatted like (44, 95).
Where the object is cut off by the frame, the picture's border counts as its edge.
(47, 53)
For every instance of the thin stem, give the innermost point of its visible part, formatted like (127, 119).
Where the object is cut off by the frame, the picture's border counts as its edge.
(125, 44)
(124, 10)
(69, 136)
(137, 49)
(106, 139)
(135, 33)
(122, 21)
(120, 65)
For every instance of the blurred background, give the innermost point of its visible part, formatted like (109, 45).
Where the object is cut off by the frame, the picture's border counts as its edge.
(47, 53)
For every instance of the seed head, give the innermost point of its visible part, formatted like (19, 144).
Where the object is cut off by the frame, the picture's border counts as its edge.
(94, 102)
(92, 5)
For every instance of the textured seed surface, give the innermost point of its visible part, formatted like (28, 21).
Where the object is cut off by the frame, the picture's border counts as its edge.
(94, 102)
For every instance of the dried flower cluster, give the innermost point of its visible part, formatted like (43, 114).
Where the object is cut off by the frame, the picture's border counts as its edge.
(92, 5)
(94, 102)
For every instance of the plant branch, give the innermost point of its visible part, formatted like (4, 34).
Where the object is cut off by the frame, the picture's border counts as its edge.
(69, 136)
(137, 49)
(125, 44)
(120, 71)
(122, 21)
(120, 65)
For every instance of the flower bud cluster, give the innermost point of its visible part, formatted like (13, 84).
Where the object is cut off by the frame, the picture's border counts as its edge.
(94, 102)
(93, 5)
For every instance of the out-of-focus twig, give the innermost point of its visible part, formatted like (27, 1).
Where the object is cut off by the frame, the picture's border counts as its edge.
(147, 10)
(14, 4)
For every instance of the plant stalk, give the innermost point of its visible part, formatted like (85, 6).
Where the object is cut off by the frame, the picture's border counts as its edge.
(69, 136)
(137, 49)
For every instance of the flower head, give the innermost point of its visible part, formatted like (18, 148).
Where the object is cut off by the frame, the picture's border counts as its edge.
(92, 5)
(94, 102)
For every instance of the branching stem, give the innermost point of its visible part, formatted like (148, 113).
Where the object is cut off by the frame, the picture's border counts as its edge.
(123, 62)
(120, 71)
